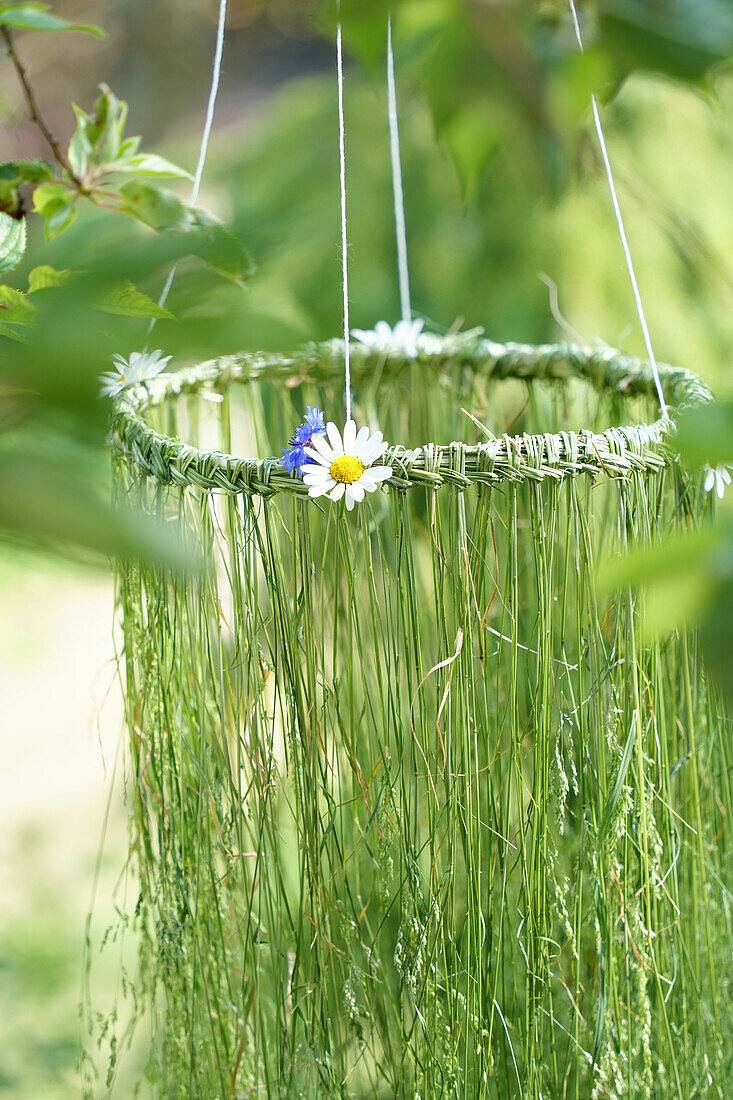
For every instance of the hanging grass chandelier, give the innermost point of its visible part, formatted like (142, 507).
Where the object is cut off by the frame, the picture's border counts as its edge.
(417, 811)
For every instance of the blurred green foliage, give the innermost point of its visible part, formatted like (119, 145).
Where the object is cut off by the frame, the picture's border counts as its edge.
(55, 335)
(29, 15)
(689, 578)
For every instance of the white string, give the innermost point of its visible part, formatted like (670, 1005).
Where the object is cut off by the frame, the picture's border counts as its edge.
(622, 233)
(399, 198)
(206, 134)
(344, 241)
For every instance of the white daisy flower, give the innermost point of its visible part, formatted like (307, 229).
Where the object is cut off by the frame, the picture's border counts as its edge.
(718, 478)
(342, 466)
(140, 367)
(403, 339)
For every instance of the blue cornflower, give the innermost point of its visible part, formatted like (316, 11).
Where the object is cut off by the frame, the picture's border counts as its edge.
(293, 458)
(314, 423)
(294, 455)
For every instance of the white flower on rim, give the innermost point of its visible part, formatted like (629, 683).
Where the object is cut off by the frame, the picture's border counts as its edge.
(140, 367)
(404, 338)
(341, 466)
(718, 478)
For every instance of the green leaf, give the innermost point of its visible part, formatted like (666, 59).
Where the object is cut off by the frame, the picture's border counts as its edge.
(471, 138)
(59, 221)
(10, 198)
(36, 17)
(705, 434)
(127, 301)
(651, 563)
(217, 247)
(206, 237)
(716, 630)
(572, 79)
(15, 307)
(153, 206)
(148, 164)
(676, 576)
(15, 174)
(45, 278)
(364, 27)
(12, 332)
(128, 148)
(682, 38)
(48, 197)
(28, 170)
(12, 241)
(49, 497)
(688, 581)
(481, 105)
(80, 145)
(56, 204)
(107, 125)
(97, 141)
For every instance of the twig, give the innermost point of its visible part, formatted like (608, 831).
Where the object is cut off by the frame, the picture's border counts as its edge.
(33, 110)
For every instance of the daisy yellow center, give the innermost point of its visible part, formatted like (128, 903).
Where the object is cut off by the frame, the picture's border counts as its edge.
(346, 469)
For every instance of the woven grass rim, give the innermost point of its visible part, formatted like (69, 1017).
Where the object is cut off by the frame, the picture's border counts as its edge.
(616, 452)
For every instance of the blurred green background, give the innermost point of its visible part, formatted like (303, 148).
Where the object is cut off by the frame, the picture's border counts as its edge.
(503, 184)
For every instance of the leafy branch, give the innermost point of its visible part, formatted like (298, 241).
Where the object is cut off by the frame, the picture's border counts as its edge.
(56, 331)
(30, 98)
(107, 168)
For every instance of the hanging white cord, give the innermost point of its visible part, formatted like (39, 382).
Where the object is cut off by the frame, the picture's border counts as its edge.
(399, 198)
(344, 241)
(622, 233)
(204, 147)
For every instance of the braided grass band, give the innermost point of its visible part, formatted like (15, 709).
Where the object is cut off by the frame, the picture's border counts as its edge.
(615, 452)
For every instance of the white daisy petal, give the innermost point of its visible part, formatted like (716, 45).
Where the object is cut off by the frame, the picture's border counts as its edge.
(317, 479)
(369, 485)
(314, 468)
(318, 459)
(321, 447)
(335, 440)
(321, 488)
(356, 491)
(142, 366)
(349, 499)
(339, 491)
(406, 338)
(717, 478)
(381, 450)
(365, 336)
(360, 442)
(379, 473)
(373, 449)
(349, 437)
